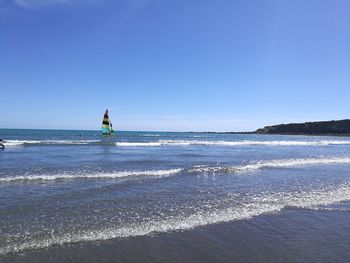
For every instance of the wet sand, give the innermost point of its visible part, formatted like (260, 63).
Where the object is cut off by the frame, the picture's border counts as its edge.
(294, 235)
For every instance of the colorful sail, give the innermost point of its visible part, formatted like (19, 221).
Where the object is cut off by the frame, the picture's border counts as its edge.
(107, 128)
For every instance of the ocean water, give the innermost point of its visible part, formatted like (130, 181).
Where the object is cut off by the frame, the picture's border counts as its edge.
(74, 196)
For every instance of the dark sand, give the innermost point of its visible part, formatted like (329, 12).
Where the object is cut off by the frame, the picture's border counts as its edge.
(294, 235)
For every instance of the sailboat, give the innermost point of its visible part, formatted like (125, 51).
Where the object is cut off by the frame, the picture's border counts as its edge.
(107, 127)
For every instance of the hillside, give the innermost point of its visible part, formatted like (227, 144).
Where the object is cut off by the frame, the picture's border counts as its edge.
(340, 127)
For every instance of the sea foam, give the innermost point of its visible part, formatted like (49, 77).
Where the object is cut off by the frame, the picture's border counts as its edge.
(160, 143)
(265, 164)
(231, 143)
(280, 163)
(83, 175)
(268, 204)
(48, 142)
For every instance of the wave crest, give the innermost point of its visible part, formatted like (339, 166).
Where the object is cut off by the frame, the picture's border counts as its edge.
(268, 204)
(120, 174)
(177, 143)
(274, 164)
(231, 143)
(48, 142)
(281, 163)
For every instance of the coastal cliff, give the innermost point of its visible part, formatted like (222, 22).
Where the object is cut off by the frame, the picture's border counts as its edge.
(340, 127)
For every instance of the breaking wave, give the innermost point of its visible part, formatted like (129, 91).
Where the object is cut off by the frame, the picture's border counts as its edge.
(19, 142)
(268, 204)
(48, 142)
(274, 164)
(160, 143)
(231, 143)
(120, 174)
(281, 163)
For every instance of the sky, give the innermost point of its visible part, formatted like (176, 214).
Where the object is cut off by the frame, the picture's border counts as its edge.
(173, 65)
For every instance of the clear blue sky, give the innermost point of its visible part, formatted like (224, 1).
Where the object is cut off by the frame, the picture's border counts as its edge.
(173, 64)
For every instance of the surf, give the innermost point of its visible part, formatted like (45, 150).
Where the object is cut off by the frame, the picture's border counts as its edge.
(160, 143)
(272, 203)
(230, 143)
(198, 169)
(86, 175)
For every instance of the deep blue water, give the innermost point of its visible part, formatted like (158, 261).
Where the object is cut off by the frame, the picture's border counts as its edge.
(60, 188)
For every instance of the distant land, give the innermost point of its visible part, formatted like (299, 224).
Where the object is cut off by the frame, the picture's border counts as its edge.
(339, 127)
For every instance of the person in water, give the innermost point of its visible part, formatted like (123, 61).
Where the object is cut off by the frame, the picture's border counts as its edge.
(2, 146)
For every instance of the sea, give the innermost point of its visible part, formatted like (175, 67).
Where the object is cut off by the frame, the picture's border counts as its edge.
(75, 196)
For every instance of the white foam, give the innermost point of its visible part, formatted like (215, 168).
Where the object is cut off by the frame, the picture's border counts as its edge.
(231, 143)
(281, 163)
(19, 142)
(268, 204)
(274, 164)
(296, 162)
(48, 177)
(23, 142)
(184, 143)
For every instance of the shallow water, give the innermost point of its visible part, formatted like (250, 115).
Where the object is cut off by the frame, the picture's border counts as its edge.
(60, 190)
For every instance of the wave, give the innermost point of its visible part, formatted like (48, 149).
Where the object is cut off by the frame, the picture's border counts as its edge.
(177, 143)
(231, 143)
(19, 142)
(269, 204)
(31, 142)
(120, 174)
(280, 163)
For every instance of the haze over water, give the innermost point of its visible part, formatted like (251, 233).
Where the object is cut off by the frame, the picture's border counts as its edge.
(174, 197)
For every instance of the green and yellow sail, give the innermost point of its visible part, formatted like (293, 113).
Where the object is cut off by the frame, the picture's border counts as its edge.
(107, 127)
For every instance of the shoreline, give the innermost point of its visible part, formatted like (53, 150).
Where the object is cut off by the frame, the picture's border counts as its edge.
(292, 235)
